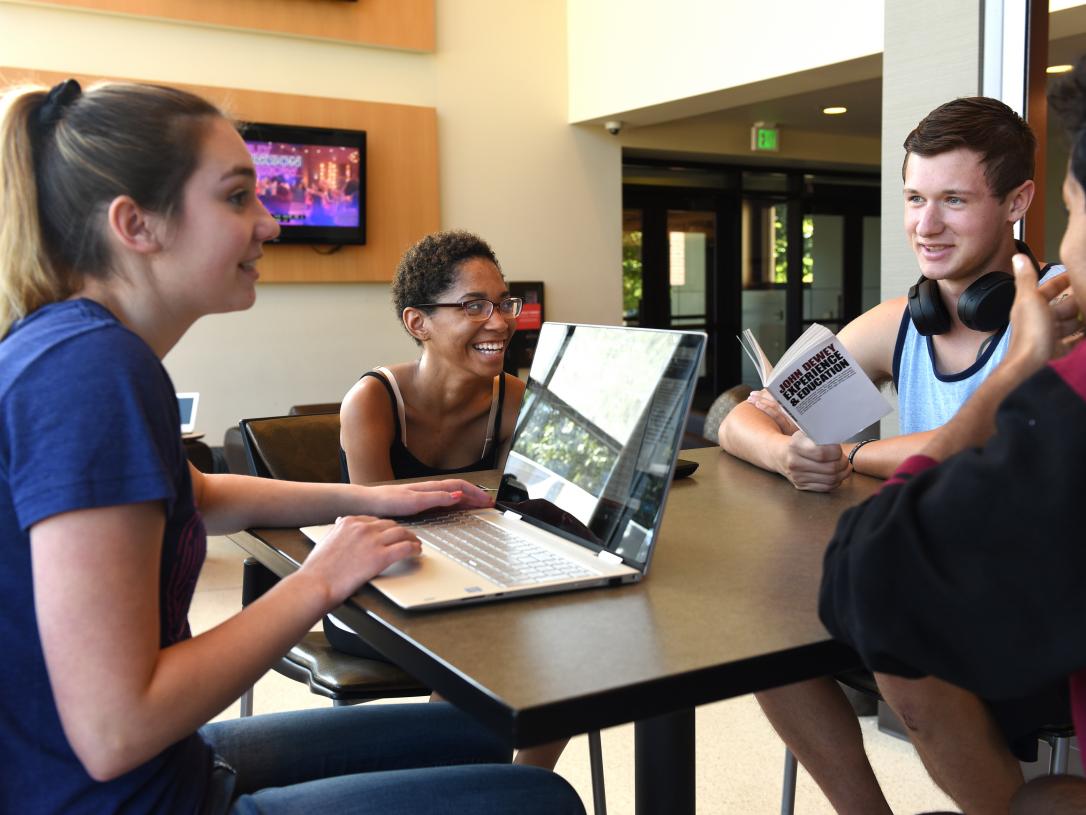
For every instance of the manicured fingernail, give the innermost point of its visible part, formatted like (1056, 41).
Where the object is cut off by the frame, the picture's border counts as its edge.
(457, 493)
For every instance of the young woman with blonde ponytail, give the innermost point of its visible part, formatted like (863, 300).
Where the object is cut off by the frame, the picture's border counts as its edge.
(127, 213)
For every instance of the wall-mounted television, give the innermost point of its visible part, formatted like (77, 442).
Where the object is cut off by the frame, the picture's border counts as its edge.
(312, 180)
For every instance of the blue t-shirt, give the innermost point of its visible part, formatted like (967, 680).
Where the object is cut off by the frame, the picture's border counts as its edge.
(88, 418)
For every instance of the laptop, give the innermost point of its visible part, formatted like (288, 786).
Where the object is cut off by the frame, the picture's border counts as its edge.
(186, 406)
(583, 490)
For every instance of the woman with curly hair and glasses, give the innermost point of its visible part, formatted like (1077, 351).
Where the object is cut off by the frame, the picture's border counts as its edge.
(452, 409)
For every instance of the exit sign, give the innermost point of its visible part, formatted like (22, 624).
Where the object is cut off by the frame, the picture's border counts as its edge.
(765, 138)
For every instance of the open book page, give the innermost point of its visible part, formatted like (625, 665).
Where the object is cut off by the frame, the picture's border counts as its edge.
(823, 389)
(757, 355)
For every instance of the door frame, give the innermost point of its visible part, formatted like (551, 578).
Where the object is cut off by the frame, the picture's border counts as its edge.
(722, 313)
(801, 194)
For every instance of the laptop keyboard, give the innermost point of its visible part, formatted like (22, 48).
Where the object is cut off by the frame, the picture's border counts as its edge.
(501, 556)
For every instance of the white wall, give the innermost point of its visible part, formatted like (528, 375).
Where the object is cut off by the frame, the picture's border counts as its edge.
(911, 89)
(547, 195)
(631, 54)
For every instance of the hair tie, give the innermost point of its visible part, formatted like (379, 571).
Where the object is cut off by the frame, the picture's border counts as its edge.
(55, 104)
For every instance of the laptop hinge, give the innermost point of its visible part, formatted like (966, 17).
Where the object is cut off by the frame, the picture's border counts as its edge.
(609, 557)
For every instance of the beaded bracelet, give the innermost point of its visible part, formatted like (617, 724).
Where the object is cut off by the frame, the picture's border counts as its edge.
(855, 449)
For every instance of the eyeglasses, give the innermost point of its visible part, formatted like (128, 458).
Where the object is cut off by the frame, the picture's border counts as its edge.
(480, 310)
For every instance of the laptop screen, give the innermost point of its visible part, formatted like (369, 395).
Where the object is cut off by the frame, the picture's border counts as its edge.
(186, 406)
(598, 433)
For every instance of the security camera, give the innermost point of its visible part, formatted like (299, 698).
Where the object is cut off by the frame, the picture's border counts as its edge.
(614, 127)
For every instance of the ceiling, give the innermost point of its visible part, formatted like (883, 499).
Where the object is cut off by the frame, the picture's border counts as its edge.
(863, 98)
(803, 111)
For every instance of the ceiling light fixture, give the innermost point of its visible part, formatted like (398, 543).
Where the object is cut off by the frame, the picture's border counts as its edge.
(1059, 69)
(835, 110)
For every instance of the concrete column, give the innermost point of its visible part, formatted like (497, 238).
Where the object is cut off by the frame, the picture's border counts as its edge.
(932, 54)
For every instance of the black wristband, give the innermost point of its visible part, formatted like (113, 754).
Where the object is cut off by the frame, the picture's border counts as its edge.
(855, 449)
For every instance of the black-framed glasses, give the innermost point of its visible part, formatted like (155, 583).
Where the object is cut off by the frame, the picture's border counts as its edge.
(480, 310)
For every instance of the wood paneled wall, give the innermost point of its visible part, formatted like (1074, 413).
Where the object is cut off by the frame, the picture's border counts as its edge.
(402, 202)
(407, 24)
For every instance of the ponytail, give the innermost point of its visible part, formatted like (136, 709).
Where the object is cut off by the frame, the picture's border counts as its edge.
(27, 277)
(64, 157)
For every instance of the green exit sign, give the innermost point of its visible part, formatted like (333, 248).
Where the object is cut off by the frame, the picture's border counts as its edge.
(765, 137)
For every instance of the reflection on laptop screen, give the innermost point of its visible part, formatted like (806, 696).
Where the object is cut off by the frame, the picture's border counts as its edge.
(598, 432)
(186, 406)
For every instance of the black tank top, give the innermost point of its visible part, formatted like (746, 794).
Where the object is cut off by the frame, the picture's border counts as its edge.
(403, 461)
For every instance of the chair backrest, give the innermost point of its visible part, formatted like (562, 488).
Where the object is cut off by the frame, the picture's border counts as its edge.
(720, 408)
(316, 407)
(293, 448)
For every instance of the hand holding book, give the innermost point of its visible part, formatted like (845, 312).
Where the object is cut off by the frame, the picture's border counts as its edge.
(762, 400)
(819, 385)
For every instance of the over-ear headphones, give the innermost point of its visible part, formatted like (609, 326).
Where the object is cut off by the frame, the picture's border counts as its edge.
(984, 306)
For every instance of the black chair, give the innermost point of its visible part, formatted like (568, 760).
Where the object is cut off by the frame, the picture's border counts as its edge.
(305, 447)
(316, 407)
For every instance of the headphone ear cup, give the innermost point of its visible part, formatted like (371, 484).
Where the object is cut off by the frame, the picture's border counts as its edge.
(986, 304)
(926, 308)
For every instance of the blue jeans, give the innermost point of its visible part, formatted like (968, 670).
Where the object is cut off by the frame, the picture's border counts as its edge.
(388, 759)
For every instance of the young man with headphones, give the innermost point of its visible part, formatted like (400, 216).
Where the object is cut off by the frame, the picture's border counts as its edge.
(967, 180)
(968, 176)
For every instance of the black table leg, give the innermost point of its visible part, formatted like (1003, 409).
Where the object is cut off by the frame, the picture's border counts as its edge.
(664, 761)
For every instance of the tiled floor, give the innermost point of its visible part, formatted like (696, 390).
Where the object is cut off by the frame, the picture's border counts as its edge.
(740, 759)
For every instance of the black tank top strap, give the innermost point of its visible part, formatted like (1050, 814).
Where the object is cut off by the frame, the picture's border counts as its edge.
(494, 433)
(344, 473)
(403, 461)
(501, 407)
(392, 400)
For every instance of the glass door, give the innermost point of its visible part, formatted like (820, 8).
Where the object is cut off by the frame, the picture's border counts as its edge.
(765, 278)
(721, 249)
(671, 269)
(810, 254)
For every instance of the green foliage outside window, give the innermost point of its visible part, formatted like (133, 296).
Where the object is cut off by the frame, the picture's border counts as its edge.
(780, 247)
(571, 452)
(631, 273)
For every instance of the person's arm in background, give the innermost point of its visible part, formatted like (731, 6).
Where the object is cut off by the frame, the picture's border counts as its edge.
(366, 430)
(969, 570)
(767, 437)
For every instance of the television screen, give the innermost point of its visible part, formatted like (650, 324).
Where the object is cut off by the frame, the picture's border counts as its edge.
(312, 180)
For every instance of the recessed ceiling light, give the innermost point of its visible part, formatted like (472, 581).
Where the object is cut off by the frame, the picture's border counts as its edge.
(836, 110)
(1059, 69)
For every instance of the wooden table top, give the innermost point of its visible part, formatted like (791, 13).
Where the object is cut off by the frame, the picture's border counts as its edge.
(729, 606)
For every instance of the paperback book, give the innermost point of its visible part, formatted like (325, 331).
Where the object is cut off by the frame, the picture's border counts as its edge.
(819, 385)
